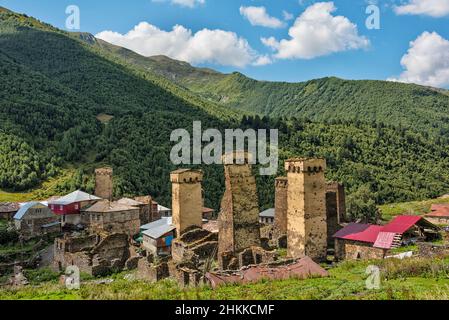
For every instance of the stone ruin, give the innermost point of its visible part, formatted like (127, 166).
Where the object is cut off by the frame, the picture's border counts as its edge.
(104, 183)
(94, 254)
(239, 242)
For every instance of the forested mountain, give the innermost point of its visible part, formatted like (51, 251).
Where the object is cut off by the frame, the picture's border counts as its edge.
(408, 105)
(54, 84)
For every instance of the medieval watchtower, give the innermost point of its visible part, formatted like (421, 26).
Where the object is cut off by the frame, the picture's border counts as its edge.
(280, 205)
(104, 183)
(187, 200)
(306, 213)
(239, 217)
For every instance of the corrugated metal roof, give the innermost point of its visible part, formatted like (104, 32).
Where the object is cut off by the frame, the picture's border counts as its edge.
(384, 240)
(401, 224)
(76, 196)
(269, 213)
(130, 202)
(107, 206)
(25, 207)
(158, 228)
(162, 208)
(359, 232)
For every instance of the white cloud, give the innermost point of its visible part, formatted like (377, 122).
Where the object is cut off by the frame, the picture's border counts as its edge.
(211, 46)
(316, 32)
(427, 61)
(258, 16)
(184, 3)
(433, 8)
(287, 15)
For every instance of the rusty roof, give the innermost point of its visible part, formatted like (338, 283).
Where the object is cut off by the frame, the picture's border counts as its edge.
(300, 269)
(439, 210)
(6, 207)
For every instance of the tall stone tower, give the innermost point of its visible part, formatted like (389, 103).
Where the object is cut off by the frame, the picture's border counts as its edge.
(187, 200)
(104, 183)
(239, 217)
(280, 205)
(306, 213)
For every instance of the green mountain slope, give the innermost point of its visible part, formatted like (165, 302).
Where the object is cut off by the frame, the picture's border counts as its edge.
(54, 85)
(331, 98)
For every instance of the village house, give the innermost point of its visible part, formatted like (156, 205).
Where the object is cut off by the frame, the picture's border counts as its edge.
(157, 236)
(8, 210)
(267, 216)
(152, 210)
(208, 214)
(439, 214)
(112, 217)
(35, 219)
(366, 241)
(69, 207)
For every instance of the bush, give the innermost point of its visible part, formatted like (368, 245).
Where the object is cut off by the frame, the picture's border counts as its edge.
(7, 236)
(38, 276)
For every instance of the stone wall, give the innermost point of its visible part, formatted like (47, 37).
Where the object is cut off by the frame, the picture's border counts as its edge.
(187, 200)
(306, 213)
(332, 217)
(353, 250)
(104, 183)
(92, 254)
(127, 222)
(339, 190)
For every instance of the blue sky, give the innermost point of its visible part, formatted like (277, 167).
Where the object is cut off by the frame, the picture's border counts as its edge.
(356, 53)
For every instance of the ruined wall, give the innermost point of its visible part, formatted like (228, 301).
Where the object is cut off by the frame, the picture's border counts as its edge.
(92, 254)
(187, 201)
(306, 213)
(280, 204)
(239, 217)
(104, 183)
(353, 250)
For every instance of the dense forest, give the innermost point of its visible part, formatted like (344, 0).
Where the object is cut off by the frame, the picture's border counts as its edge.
(54, 85)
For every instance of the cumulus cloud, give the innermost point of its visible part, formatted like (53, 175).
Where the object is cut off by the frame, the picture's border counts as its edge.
(427, 61)
(258, 16)
(184, 3)
(316, 32)
(211, 46)
(433, 8)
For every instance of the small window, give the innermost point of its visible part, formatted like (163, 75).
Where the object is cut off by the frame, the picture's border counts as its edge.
(61, 207)
(76, 207)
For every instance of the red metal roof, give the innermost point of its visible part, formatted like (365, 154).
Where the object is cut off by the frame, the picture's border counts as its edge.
(359, 232)
(384, 240)
(401, 224)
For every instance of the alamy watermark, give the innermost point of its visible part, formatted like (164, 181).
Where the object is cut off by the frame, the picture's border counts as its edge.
(191, 149)
(73, 21)
(373, 280)
(72, 279)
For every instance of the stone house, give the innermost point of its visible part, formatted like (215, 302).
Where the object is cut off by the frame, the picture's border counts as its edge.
(112, 217)
(157, 236)
(69, 207)
(439, 214)
(36, 219)
(267, 216)
(366, 241)
(8, 210)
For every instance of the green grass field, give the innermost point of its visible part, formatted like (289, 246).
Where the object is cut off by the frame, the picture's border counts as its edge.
(389, 211)
(415, 278)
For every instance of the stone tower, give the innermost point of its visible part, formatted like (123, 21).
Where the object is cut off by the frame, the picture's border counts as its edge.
(280, 205)
(187, 201)
(306, 213)
(239, 217)
(103, 183)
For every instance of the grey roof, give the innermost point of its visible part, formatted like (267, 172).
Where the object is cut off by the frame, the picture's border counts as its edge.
(158, 228)
(76, 196)
(24, 208)
(269, 213)
(48, 225)
(162, 208)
